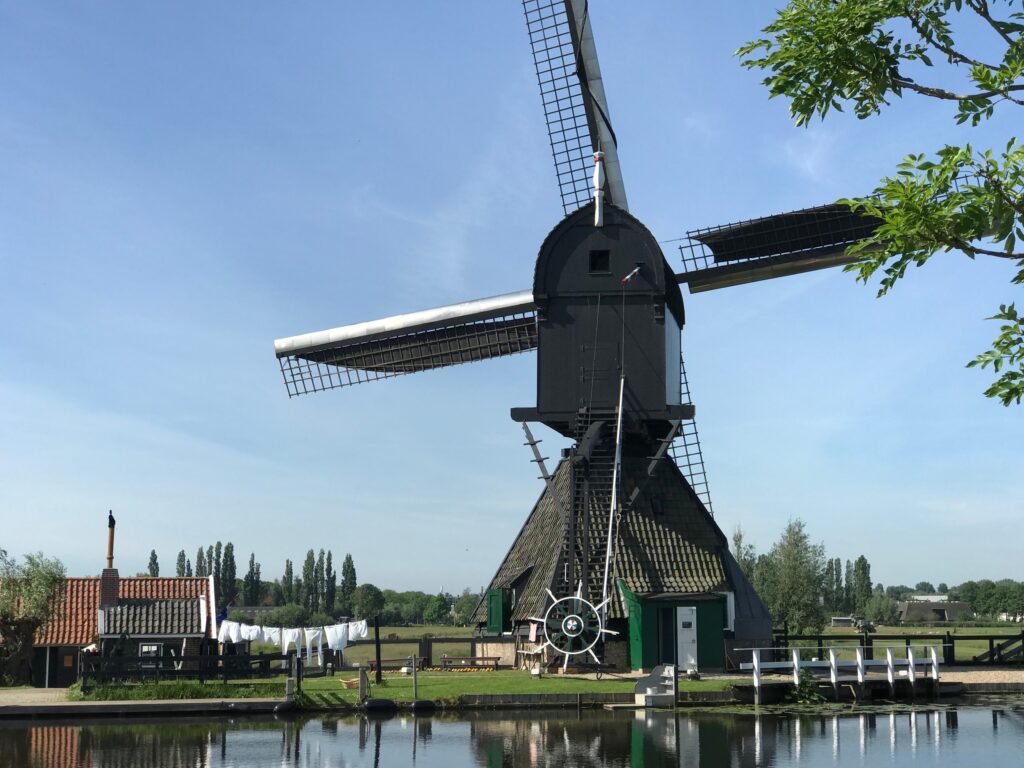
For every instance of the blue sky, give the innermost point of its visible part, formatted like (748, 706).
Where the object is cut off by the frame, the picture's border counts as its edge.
(182, 184)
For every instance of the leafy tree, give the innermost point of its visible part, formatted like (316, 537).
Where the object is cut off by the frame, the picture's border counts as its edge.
(861, 584)
(288, 583)
(31, 593)
(943, 588)
(789, 579)
(214, 564)
(413, 607)
(290, 615)
(367, 601)
(319, 581)
(744, 553)
(348, 585)
(228, 574)
(465, 606)
(179, 565)
(209, 567)
(924, 588)
(154, 564)
(898, 591)
(838, 590)
(188, 567)
(251, 583)
(201, 563)
(330, 585)
(880, 609)
(824, 54)
(849, 604)
(438, 610)
(309, 581)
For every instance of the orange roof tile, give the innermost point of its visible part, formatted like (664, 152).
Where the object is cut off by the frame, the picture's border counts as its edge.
(76, 623)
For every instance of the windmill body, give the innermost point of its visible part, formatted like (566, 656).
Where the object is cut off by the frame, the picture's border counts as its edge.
(624, 520)
(593, 329)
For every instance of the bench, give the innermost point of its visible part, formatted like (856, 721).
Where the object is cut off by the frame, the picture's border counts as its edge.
(472, 662)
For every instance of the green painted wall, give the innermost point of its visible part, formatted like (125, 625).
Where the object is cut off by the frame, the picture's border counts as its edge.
(643, 630)
(710, 633)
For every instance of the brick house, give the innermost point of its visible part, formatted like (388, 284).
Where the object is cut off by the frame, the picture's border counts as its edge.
(159, 616)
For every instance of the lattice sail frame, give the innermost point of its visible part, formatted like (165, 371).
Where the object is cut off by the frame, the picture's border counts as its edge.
(565, 111)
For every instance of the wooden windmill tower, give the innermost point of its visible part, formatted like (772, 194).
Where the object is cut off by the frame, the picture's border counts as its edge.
(619, 529)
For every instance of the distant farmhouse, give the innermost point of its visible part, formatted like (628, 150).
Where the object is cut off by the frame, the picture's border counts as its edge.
(925, 608)
(160, 617)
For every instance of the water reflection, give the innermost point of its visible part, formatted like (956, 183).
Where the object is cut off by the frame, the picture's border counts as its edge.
(531, 740)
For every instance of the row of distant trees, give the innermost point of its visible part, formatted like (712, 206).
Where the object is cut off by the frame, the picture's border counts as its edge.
(317, 594)
(802, 587)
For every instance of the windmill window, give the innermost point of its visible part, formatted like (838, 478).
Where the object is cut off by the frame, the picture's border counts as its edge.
(600, 262)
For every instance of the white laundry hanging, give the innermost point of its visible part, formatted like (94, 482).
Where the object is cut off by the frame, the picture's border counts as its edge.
(336, 636)
(290, 637)
(272, 635)
(230, 632)
(357, 630)
(314, 635)
(251, 633)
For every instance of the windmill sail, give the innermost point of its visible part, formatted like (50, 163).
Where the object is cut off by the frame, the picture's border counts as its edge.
(409, 343)
(572, 92)
(773, 246)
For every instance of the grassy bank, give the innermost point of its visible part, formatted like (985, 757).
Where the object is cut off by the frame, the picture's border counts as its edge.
(329, 691)
(178, 689)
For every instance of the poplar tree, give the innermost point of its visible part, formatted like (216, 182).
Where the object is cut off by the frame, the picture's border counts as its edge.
(179, 566)
(201, 563)
(154, 565)
(308, 580)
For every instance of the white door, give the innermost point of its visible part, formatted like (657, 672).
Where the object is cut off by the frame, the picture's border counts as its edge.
(686, 638)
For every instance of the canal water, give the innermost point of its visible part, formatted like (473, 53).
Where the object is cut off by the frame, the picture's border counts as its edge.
(991, 734)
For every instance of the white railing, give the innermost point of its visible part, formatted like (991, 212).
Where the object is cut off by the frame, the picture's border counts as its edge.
(847, 669)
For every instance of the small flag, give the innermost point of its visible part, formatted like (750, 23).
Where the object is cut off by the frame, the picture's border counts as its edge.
(631, 275)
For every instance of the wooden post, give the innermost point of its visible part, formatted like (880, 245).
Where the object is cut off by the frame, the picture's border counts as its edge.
(912, 672)
(833, 671)
(935, 671)
(796, 666)
(376, 642)
(890, 672)
(415, 688)
(755, 657)
(860, 672)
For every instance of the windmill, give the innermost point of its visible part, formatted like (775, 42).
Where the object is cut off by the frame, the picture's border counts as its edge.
(605, 314)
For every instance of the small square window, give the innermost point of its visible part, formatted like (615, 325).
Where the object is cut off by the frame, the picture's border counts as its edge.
(600, 262)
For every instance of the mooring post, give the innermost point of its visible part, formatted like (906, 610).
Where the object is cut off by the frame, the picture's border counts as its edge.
(755, 657)
(376, 643)
(912, 672)
(860, 672)
(890, 672)
(935, 671)
(415, 688)
(833, 671)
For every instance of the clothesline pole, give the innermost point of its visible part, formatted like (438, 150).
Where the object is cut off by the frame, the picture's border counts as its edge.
(376, 642)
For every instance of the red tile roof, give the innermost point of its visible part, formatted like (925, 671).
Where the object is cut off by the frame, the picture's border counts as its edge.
(76, 623)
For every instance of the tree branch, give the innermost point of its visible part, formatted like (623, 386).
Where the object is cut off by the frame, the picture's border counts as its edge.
(952, 53)
(963, 245)
(942, 93)
(980, 7)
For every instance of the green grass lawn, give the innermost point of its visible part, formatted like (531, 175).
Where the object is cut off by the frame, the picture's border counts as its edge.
(437, 686)
(327, 691)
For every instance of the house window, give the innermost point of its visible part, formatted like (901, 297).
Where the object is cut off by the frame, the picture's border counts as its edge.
(600, 262)
(150, 651)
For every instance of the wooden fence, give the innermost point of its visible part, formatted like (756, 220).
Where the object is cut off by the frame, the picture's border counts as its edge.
(996, 649)
(394, 653)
